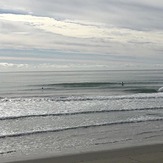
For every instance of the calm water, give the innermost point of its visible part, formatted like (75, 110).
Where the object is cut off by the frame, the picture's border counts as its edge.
(77, 83)
(78, 111)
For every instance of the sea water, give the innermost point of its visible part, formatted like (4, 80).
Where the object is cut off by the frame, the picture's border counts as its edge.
(66, 112)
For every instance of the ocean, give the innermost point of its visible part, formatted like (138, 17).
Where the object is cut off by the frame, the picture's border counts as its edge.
(55, 113)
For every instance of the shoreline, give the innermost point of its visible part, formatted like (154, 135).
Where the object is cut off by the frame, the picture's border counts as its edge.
(145, 153)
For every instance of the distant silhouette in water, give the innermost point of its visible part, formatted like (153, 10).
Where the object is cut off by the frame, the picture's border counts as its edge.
(42, 88)
(122, 83)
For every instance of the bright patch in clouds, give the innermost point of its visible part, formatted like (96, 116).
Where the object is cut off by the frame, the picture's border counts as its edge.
(64, 28)
(78, 30)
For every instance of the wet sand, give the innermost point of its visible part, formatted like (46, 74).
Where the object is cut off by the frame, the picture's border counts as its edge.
(138, 154)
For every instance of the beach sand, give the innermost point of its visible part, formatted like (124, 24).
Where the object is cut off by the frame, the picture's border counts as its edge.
(138, 154)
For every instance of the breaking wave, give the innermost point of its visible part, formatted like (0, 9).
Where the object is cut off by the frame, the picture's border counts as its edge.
(78, 113)
(80, 127)
(83, 98)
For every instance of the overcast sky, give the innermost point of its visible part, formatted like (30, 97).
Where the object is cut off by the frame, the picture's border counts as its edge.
(80, 34)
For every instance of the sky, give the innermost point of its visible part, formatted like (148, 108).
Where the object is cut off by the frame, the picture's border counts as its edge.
(54, 35)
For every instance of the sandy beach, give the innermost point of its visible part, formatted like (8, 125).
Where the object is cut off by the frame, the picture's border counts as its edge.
(138, 154)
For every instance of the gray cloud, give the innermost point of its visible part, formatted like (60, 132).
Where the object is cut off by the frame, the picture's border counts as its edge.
(12, 11)
(140, 15)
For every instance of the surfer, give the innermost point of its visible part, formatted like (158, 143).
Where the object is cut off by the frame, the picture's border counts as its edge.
(122, 83)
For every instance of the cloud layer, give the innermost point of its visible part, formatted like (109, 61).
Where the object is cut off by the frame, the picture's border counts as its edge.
(109, 31)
